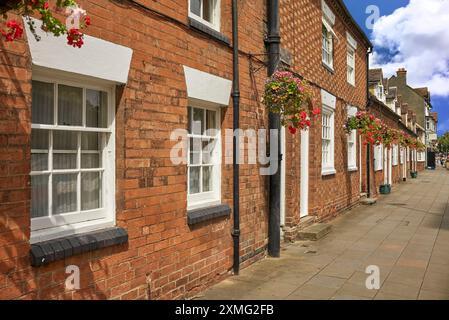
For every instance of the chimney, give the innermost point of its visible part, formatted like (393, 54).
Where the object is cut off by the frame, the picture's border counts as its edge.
(402, 76)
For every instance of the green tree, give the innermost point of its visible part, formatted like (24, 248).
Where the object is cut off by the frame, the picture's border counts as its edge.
(443, 143)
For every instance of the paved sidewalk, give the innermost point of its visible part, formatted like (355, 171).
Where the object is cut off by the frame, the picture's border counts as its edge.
(406, 234)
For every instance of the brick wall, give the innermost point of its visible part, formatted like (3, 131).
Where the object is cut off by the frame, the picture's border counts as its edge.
(164, 259)
(421, 166)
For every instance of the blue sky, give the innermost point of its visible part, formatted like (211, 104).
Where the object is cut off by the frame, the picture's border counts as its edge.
(399, 42)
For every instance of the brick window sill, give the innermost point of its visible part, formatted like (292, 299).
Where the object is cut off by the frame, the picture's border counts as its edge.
(206, 214)
(43, 253)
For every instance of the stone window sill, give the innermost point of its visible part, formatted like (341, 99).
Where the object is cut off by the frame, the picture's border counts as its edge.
(195, 24)
(328, 172)
(328, 67)
(43, 253)
(205, 214)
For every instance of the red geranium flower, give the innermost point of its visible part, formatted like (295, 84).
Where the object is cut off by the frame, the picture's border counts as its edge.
(75, 38)
(15, 31)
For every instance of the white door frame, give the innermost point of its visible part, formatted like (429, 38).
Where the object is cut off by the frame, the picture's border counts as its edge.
(390, 166)
(284, 156)
(360, 163)
(385, 166)
(304, 178)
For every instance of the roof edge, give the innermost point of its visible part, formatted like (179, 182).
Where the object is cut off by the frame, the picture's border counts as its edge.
(357, 26)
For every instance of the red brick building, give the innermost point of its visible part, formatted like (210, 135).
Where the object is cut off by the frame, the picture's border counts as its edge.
(323, 166)
(390, 166)
(89, 137)
(94, 130)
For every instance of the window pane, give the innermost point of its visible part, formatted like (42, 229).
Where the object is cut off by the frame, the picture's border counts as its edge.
(195, 150)
(90, 141)
(39, 161)
(43, 103)
(208, 149)
(189, 117)
(208, 10)
(64, 161)
(207, 179)
(96, 109)
(39, 141)
(198, 121)
(65, 141)
(70, 105)
(90, 160)
(39, 196)
(195, 7)
(194, 180)
(211, 120)
(64, 193)
(91, 154)
(90, 190)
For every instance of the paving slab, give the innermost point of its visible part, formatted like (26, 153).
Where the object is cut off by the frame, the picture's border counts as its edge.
(405, 234)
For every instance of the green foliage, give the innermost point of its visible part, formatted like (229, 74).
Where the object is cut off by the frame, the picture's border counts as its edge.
(443, 142)
(291, 98)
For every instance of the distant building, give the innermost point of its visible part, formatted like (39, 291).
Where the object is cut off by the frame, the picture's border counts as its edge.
(418, 104)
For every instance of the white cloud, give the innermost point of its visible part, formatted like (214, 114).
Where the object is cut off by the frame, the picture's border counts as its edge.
(416, 37)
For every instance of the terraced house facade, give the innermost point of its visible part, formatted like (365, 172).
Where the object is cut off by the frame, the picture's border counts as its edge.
(115, 158)
(86, 151)
(323, 169)
(390, 165)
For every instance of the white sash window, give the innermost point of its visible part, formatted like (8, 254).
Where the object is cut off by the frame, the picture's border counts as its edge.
(72, 156)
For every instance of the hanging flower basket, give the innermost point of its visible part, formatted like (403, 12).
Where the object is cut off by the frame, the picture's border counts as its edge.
(368, 126)
(292, 99)
(77, 19)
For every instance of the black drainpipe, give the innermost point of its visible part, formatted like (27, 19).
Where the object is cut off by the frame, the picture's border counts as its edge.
(273, 42)
(368, 146)
(235, 146)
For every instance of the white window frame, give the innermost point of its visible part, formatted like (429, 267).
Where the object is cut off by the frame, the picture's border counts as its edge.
(378, 157)
(421, 156)
(351, 65)
(328, 21)
(380, 92)
(206, 199)
(401, 157)
(328, 165)
(216, 15)
(50, 227)
(395, 151)
(352, 143)
(327, 45)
